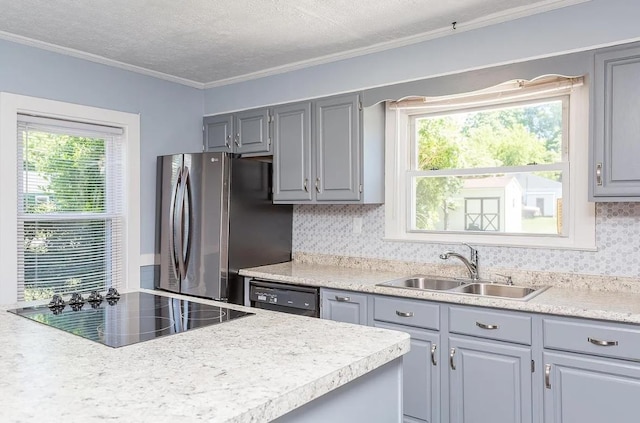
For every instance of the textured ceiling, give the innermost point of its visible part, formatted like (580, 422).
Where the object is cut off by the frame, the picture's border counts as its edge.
(217, 41)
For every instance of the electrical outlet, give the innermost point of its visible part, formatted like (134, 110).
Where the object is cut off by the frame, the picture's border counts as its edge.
(357, 225)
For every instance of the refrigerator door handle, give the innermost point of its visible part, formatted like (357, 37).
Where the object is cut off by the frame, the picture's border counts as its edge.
(172, 228)
(187, 221)
(180, 227)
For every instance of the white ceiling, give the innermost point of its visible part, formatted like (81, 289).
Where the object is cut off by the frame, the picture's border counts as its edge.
(212, 42)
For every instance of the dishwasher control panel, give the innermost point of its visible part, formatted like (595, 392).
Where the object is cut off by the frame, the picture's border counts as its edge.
(283, 295)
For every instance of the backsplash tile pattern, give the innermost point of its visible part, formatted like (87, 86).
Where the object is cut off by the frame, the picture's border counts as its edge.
(328, 229)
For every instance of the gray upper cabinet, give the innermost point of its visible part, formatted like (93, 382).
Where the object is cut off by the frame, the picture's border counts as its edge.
(329, 151)
(292, 153)
(616, 127)
(252, 131)
(337, 145)
(245, 133)
(218, 133)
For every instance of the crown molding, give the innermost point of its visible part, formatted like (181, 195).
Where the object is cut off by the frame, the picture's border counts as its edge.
(97, 59)
(493, 19)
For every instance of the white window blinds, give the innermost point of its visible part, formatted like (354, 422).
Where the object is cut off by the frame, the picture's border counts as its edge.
(70, 207)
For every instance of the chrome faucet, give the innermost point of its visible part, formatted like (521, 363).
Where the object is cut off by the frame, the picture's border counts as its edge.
(471, 264)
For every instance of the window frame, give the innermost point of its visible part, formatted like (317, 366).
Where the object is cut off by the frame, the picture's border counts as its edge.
(11, 105)
(578, 217)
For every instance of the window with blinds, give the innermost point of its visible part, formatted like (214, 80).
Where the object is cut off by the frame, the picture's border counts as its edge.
(71, 209)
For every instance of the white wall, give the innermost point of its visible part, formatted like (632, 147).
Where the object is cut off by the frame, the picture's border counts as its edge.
(170, 114)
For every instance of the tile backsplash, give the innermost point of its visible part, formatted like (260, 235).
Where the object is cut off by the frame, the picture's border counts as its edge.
(328, 229)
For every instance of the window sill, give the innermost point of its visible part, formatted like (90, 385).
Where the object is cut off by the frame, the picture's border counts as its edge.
(503, 241)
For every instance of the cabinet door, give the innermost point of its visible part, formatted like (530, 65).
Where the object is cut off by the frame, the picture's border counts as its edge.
(337, 148)
(590, 390)
(252, 132)
(218, 133)
(617, 124)
(420, 376)
(342, 306)
(292, 153)
(489, 382)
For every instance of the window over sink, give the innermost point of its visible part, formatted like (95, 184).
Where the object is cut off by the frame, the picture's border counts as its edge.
(506, 165)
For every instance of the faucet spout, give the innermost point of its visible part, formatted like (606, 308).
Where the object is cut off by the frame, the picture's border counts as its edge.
(471, 265)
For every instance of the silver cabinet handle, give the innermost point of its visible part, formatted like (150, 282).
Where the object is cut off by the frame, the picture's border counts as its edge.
(404, 313)
(306, 184)
(342, 299)
(599, 174)
(547, 376)
(434, 348)
(452, 353)
(227, 141)
(318, 185)
(602, 343)
(484, 326)
(238, 140)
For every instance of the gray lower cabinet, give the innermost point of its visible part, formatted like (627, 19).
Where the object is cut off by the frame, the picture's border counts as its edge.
(588, 389)
(420, 377)
(245, 132)
(592, 371)
(477, 365)
(489, 381)
(616, 136)
(490, 367)
(328, 151)
(343, 306)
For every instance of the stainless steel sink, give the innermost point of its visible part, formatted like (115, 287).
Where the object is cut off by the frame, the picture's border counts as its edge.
(430, 283)
(499, 290)
(465, 286)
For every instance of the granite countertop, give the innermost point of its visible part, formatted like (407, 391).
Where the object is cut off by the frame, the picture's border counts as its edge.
(253, 369)
(564, 301)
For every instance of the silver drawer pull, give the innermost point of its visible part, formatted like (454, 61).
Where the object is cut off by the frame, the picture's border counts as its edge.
(452, 354)
(342, 299)
(484, 326)
(547, 376)
(599, 174)
(404, 313)
(603, 343)
(434, 348)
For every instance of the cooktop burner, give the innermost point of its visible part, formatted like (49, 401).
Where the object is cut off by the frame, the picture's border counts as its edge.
(117, 319)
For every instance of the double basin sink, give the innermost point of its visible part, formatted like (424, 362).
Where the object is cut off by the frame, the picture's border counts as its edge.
(466, 286)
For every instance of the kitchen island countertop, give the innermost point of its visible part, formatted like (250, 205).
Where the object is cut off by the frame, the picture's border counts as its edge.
(253, 369)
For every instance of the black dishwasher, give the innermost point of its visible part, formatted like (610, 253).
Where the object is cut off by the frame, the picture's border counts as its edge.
(292, 299)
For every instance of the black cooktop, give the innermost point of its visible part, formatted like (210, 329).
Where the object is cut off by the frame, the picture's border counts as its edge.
(129, 318)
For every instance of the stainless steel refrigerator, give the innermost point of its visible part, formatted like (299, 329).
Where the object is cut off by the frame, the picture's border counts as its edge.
(216, 216)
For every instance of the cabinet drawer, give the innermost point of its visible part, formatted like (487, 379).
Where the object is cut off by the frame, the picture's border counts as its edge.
(490, 324)
(592, 338)
(406, 312)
